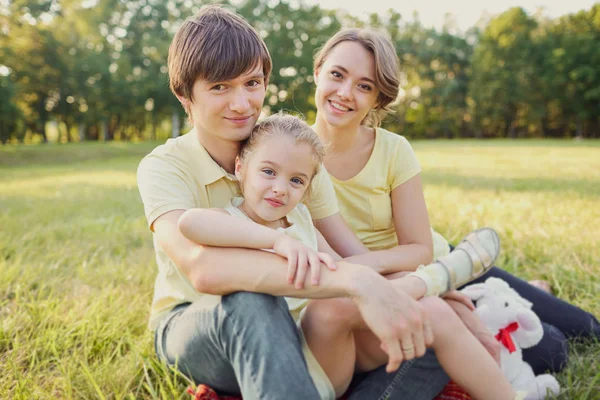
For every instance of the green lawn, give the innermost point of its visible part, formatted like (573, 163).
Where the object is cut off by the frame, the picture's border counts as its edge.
(77, 265)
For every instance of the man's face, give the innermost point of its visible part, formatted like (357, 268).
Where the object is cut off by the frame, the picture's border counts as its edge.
(229, 109)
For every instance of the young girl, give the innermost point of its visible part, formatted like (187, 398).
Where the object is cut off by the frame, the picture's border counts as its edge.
(377, 180)
(275, 167)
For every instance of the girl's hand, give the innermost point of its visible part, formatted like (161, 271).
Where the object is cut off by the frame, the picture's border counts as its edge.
(300, 257)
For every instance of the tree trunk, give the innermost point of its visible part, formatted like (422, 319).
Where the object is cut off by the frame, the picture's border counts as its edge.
(175, 123)
(154, 123)
(81, 131)
(579, 132)
(68, 131)
(105, 136)
(40, 127)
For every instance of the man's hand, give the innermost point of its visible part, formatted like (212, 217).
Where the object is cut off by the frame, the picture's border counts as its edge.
(398, 320)
(300, 257)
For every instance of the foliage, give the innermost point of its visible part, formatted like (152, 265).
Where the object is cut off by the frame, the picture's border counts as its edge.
(97, 69)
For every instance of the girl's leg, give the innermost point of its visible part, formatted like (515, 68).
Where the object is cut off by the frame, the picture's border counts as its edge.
(328, 326)
(461, 355)
(329, 323)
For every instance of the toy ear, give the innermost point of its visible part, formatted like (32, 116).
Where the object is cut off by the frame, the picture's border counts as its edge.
(475, 291)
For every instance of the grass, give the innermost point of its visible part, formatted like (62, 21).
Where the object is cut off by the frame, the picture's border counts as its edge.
(77, 263)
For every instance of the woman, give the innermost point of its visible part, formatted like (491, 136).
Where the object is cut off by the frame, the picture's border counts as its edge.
(377, 181)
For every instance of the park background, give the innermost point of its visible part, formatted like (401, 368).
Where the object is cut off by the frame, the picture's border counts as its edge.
(84, 96)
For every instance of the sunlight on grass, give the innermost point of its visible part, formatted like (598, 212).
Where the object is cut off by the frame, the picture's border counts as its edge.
(78, 268)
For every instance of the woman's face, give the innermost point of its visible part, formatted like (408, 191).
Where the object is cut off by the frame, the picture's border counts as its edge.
(346, 90)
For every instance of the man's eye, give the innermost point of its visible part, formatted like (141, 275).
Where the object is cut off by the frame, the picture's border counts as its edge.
(254, 82)
(218, 87)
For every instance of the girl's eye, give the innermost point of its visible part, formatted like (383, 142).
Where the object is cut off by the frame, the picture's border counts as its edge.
(297, 181)
(268, 171)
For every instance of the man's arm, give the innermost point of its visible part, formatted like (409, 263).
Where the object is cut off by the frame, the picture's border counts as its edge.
(225, 270)
(217, 270)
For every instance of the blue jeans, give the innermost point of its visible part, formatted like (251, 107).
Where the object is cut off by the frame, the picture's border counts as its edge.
(249, 344)
(560, 319)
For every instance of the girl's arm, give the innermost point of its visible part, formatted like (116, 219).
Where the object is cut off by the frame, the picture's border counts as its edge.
(216, 227)
(415, 245)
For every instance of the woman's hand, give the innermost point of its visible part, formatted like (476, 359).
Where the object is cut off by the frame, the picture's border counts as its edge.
(300, 257)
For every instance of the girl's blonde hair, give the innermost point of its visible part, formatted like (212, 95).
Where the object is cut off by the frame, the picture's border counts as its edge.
(387, 66)
(285, 125)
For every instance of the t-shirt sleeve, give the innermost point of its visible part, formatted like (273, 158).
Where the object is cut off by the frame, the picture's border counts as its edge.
(405, 164)
(322, 202)
(162, 188)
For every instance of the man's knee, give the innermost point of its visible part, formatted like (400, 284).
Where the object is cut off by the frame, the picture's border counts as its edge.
(253, 305)
(255, 315)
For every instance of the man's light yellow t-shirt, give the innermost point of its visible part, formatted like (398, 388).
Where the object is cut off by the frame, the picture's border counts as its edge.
(365, 200)
(180, 175)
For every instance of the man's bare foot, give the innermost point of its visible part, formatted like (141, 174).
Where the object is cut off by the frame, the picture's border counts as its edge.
(542, 285)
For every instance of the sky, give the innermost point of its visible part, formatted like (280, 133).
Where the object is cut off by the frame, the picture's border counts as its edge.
(466, 13)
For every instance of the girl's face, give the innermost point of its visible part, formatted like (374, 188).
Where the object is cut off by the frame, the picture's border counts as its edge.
(274, 178)
(346, 90)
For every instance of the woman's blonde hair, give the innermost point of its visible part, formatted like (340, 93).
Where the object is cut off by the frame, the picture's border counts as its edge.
(285, 125)
(387, 66)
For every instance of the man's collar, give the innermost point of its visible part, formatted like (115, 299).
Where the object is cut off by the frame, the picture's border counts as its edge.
(210, 171)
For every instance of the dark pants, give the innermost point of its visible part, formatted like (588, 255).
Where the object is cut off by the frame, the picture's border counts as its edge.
(561, 321)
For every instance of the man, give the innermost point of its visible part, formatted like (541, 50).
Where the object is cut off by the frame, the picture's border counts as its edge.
(219, 314)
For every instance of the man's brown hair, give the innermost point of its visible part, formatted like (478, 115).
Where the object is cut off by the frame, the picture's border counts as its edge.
(215, 45)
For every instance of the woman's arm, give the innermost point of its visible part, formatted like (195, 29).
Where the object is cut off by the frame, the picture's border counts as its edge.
(339, 236)
(324, 247)
(415, 245)
(215, 227)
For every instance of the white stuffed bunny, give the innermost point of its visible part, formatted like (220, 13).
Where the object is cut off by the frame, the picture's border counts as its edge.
(510, 319)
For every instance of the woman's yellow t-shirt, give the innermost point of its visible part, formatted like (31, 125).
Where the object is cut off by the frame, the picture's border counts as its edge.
(365, 200)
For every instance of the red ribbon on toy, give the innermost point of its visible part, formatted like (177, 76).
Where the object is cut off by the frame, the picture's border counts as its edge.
(504, 337)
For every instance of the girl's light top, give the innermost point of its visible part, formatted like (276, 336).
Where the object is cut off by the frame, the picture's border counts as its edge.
(301, 228)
